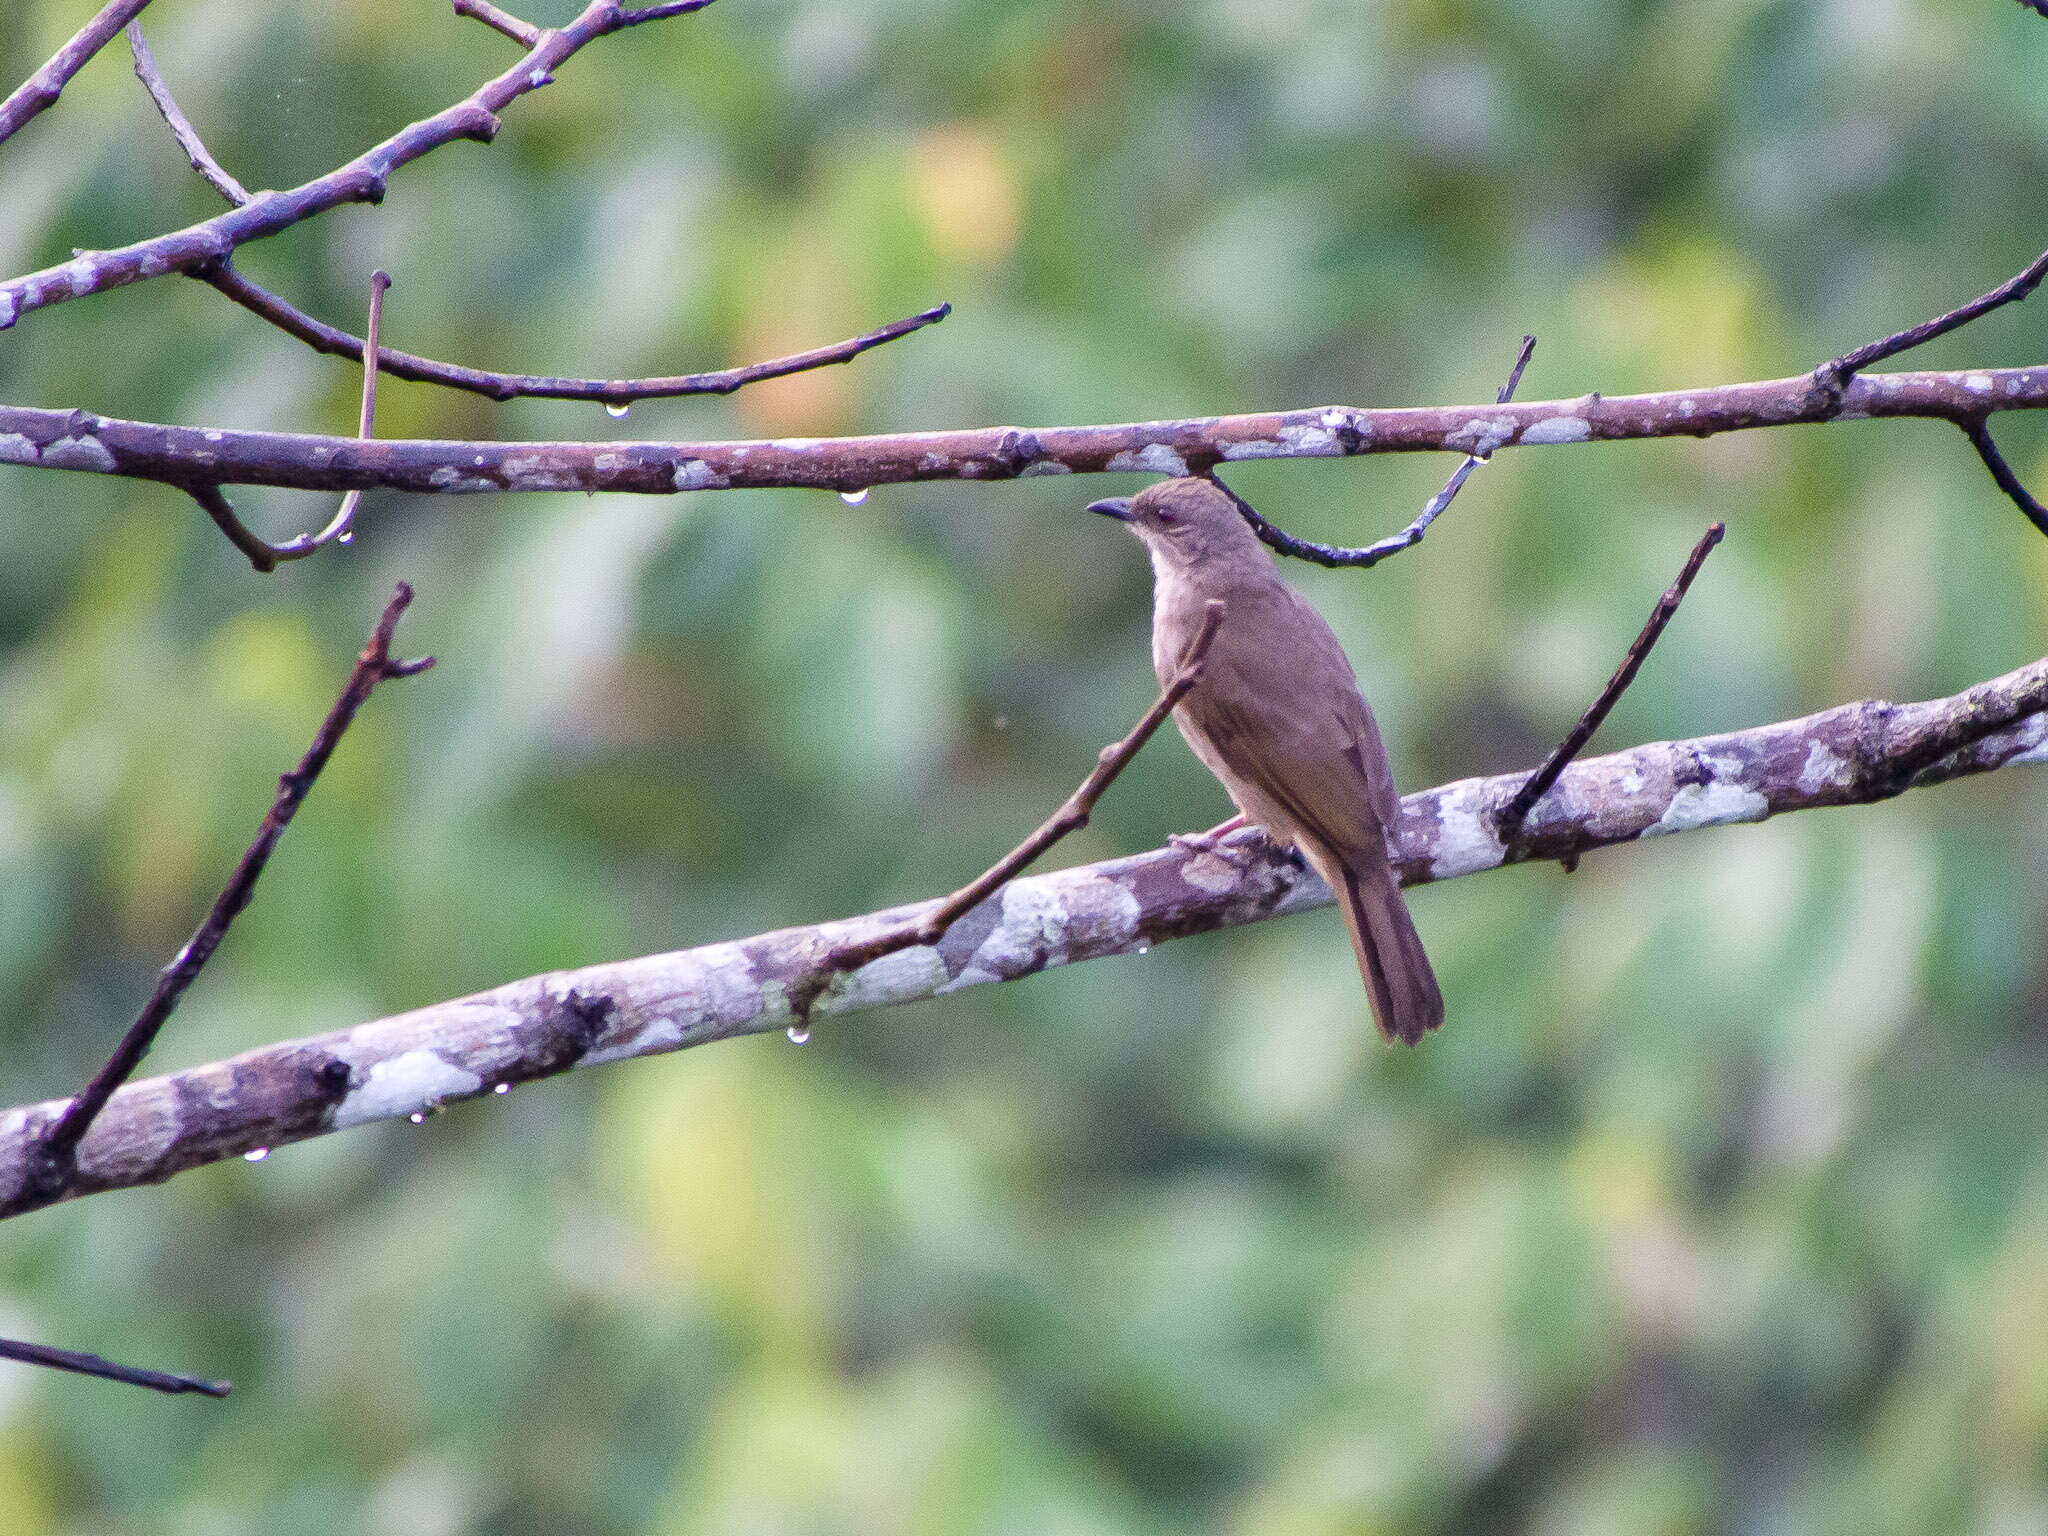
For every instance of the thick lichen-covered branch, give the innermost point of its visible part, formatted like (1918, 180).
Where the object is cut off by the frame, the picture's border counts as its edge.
(410, 1065)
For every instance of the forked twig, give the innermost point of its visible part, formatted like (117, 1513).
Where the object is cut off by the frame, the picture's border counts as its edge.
(1537, 785)
(56, 1158)
(1336, 556)
(1833, 376)
(335, 342)
(931, 926)
(362, 180)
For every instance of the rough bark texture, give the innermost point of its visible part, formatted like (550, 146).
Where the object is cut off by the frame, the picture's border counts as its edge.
(411, 1064)
(188, 455)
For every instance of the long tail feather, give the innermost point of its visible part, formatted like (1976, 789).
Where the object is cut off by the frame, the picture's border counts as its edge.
(1399, 980)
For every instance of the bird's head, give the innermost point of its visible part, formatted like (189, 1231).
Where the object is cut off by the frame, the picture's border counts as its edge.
(1188, 524)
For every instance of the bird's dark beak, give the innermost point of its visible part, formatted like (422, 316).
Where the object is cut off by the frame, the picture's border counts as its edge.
(1118, 507)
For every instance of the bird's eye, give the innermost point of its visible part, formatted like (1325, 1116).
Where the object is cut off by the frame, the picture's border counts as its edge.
(1166, 519)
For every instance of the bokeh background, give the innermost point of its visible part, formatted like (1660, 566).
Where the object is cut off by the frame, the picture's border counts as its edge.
(1720, 1205)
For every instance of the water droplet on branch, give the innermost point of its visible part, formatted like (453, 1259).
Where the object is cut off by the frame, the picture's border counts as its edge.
(799, 1033)
(255, 1154)
(617, 408)
(502, 1088)
(854, 498)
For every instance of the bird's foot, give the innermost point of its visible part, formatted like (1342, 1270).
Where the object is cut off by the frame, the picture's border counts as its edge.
(1206, 842)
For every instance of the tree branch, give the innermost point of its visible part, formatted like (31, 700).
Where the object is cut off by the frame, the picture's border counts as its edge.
(331, 340)
(196, 152)
(411, 1064)
(1978, 430)
(932, 926)
(40, 91)
(107, 1370)
(1516, 811)
(361, 180)
(322, 337)
(340, 529)
(1335, 557)
(183, 456)
(53, 1160)
(1833, 375)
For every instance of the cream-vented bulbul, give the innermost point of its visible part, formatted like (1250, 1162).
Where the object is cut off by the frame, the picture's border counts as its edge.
(1278, 718)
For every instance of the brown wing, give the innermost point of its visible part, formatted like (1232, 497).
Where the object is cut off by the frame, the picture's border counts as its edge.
(1280, 706)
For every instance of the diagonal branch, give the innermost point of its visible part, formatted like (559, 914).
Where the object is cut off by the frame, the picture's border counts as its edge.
(1516, 811)
(40, 91)
(411, 1064)
(322, 337)
(107, 1370)
(1831, 376)
(931, 927)
(1335, 556)
(53, 1162)
(1978, 431)
(361, 180)
(183, 456)
(159, 89)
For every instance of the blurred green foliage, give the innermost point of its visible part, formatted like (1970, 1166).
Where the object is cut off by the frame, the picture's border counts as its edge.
(1721, 1204)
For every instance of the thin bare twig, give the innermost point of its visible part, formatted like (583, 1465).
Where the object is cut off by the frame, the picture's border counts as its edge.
(41, 90)
(94, 1365)
(1538, 785)
(322, 337)
(1336, 556)
(1978, 430)
(56, 1156)
(1831, 376)
(932, 925)
(340, 529)
(524, 33)
(159, 89)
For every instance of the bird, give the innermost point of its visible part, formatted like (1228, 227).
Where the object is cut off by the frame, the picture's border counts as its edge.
(1278, 717)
